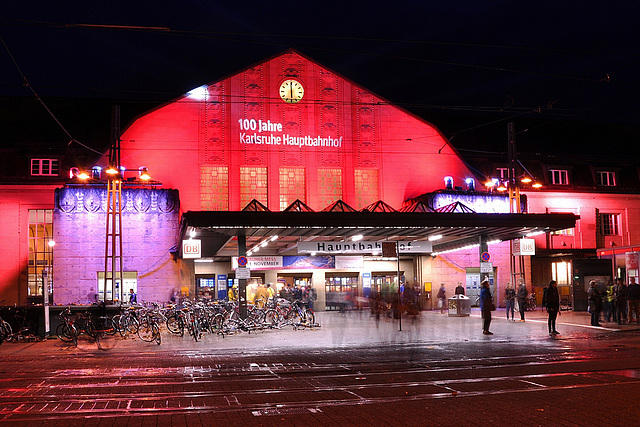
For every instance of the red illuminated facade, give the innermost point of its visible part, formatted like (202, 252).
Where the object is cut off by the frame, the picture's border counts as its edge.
(284, 130)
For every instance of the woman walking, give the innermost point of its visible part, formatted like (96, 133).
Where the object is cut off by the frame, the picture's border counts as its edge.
(553, 306)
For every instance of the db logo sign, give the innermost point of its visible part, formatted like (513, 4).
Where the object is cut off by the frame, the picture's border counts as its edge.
(524, 247)
(191, 248)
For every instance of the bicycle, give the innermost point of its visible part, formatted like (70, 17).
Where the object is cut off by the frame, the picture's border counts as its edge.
(148, 329)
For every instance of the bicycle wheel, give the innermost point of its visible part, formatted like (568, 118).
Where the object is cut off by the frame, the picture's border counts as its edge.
(110, 326)
(6, 330)
(156, 334)
(217, 324)
(146, 331)
(309, 317)
(65, 332)
(91, 329)
(175, 325)
(272, 319)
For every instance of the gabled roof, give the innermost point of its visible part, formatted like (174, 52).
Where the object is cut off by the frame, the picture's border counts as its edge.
(379, 206)
(339, 206)
(298, 206)
(417, 206)
(456, 207)
(255, 206)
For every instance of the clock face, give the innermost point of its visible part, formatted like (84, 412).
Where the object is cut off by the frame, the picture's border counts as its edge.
(291, 91)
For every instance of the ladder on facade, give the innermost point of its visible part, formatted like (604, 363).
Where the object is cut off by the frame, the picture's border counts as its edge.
(113, 240)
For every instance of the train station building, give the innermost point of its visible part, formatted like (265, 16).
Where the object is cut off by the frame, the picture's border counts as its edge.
(300, 174)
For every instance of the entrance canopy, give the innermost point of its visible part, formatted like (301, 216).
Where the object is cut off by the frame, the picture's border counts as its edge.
(218, 230)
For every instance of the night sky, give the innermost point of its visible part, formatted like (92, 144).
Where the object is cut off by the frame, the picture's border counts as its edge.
(566, 73)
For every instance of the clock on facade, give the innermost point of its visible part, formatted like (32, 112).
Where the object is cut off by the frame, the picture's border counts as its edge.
(291, 91)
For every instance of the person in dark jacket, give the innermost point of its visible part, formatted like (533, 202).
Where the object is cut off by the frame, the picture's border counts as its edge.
(486, 305)
(522, 295)
(553, 306)
(595, 303)
(633, 295)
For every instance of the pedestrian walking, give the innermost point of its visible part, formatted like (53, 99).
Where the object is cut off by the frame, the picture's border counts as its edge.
(442, 298)
(510, 300)
(595, 303)
(486, 306)
(552, 303)
(522, 299)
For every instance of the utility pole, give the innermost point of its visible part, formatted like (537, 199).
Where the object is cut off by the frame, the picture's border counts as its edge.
(516, 261)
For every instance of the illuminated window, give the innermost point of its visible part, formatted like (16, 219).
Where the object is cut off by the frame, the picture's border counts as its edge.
(214, 188)
(253, 185)
(44, 167)
(559, 176)
(606, 178)
(292, 186)
(561, 272)
(366, 186)
(565, 232)
(329, 186)
(40, 267)
(502, 173)
(609, 224)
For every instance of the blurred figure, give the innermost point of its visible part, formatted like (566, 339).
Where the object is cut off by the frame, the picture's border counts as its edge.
(510, 300)
(552, 302)
(442, 298)
(459, 289)
(133, 298)
(633, 295)
(607, 303)
(486, 306)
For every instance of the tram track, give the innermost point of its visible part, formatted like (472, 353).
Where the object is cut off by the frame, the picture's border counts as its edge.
(278, 388)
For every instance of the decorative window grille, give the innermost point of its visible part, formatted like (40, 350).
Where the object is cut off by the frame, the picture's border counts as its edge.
(214, 188)
(329, 187)
(292, 186)
(253, 185)
(366, 187)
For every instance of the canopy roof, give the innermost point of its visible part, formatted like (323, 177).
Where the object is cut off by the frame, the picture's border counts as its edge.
(219, 229)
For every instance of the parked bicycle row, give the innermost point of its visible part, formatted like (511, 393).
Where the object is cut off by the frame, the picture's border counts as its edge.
(192, 318)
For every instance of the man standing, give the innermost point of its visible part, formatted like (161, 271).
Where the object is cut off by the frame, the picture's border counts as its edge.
(621, 302)
(486, 306)
(459, 289)
(595, 303)
(553, 306)
(633, 295)
(522, 300)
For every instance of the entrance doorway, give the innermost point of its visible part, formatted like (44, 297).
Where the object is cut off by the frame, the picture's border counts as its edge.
(341, 291)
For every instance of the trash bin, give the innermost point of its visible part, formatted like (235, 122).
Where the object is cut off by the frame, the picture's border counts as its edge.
(459, 306)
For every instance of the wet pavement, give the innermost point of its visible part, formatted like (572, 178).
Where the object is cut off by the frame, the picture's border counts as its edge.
(352, 370)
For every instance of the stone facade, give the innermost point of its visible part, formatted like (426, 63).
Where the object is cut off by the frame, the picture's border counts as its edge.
(150, 221)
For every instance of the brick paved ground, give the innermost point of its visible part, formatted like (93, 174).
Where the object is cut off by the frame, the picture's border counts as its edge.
(439, 370)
